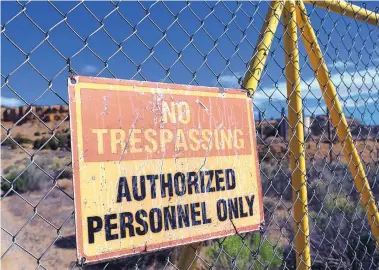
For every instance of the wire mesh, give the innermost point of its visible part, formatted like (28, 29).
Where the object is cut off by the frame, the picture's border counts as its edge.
(197, 43)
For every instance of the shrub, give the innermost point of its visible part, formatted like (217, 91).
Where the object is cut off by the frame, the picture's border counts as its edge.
(7, 142)
(362, 250)
(20, 139)
(340, 221)
(9, 169)
(20, 185)
(276, 180)
(31, 179)
(336, 218)
(269, 131)
(39, 142)
(59, 166)
(341, 204)
(53, 144)
(67, 173)
(233, 252)
(270, 206)
(64, 139)
(317, 194)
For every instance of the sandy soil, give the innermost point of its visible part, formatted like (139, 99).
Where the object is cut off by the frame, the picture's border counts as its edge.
(36, 235)
(41, 222)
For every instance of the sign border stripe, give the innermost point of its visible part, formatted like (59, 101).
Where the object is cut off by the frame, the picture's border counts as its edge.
(76, 141)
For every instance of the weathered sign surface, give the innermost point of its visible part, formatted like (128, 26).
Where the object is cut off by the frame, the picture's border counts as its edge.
(160, 165)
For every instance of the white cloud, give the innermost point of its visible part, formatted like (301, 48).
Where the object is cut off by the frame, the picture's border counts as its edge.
(230, 81)
(341, 64)
(275, 94)
(315, 110)
(350, 103)
(10, 102)
(363, 81)
(89, 69)
(347, 85)
(359, 102)
(345, 103)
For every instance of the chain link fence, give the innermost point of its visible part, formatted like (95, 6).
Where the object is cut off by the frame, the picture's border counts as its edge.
(196, 43)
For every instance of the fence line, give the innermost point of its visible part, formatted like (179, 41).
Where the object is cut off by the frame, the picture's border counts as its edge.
(312, 212)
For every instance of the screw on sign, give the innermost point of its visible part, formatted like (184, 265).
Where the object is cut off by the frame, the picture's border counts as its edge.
(160, 165)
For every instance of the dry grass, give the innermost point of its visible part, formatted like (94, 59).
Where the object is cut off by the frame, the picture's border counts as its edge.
(29, 129)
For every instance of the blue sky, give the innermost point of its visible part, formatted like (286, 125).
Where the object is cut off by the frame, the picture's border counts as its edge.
(182, 36)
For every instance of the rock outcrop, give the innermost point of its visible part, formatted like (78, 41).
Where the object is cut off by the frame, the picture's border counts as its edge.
(32, 113)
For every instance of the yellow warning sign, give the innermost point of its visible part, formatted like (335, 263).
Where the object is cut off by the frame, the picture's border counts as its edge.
(160, 165)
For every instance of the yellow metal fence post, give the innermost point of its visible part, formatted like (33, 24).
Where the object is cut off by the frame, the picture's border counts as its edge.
(348, 9)
(337, 116)
(262, 47)
(296, 131)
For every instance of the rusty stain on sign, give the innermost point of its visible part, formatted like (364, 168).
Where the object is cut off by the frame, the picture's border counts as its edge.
(160, 165)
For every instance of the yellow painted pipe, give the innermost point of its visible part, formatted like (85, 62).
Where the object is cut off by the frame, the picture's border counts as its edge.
(262, 47)
(348, 9)
(187, 259)
(338, 118)
(296, 132)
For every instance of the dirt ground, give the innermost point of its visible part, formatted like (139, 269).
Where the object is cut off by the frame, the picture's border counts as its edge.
(36, 235)
(40, 221)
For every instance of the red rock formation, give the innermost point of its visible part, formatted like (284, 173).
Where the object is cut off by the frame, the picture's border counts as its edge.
(46, 113)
